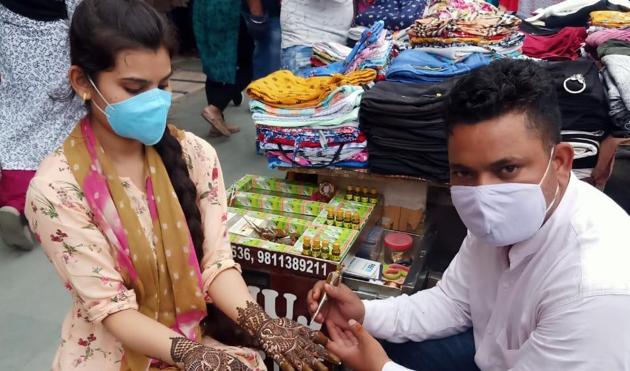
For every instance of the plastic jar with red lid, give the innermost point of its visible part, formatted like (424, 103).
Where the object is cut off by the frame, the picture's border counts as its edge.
(397, 245)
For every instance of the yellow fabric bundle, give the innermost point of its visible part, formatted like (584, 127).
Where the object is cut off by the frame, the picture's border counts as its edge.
(609, 18)
(284, 89)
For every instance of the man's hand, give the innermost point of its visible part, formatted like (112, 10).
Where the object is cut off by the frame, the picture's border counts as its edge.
(342, 304)
(357, 349)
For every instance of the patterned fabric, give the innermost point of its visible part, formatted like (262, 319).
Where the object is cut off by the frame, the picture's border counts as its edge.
(88, 258)
(284, 89)
(312, 138)
(34, 62)
(459, 8)
(181, 307)
(216, 25)
(469, 22)
(397, 14)
(471, 26)
(609, 18)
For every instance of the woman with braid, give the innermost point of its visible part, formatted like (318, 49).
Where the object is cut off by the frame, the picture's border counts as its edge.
(132, 214)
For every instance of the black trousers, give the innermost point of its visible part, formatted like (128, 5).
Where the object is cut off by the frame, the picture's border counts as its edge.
(220, 94)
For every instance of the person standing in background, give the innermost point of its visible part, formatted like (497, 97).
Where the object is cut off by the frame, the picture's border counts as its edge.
(165, 6)
(226, 49)
(305, 22)
(34, 117)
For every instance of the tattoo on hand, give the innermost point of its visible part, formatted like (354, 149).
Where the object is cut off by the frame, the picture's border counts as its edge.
(286, 341)
(191, 356)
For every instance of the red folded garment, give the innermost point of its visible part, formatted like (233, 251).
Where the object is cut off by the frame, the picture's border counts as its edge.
(563, 46)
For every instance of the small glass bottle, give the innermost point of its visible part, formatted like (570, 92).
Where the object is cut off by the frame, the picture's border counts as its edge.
(350, 193)
(365, 196)
(336, 252)
(339, 218)
(317, 250)
(330, 218)
(347, 220)
(357, 194)
(373, 196)
(356, 221)
(325, 250)
(306, 246)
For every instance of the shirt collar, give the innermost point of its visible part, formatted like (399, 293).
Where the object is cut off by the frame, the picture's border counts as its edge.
(560, 217)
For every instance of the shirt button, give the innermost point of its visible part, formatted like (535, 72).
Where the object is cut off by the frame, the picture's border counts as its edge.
(506, 285)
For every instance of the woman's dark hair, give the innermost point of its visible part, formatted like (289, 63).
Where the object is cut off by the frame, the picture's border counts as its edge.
(103, 28)
(503, 87)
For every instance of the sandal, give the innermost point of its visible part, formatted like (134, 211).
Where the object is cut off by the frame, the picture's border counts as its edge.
(216, 122)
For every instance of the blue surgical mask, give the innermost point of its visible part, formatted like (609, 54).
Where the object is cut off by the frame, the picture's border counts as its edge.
(141, 117)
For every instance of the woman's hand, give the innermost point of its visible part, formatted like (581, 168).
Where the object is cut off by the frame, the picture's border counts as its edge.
(358, 349)
(291, 345)
(191, 356)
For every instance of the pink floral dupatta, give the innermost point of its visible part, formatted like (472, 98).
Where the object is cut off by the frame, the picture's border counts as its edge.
(167, 279)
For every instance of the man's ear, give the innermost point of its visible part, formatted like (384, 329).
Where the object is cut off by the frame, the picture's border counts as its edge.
(563, 162)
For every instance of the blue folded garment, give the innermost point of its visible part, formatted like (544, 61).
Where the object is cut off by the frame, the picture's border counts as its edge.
(420, 66)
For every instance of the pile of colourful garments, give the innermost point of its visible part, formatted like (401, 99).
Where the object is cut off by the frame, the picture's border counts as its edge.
(608, 34)
(463, 22)
(325, 53)
(373, 50)
(609, 40)
(310, 122)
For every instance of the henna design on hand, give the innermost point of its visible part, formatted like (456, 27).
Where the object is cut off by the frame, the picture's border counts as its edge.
(191, 356)
(288, 343)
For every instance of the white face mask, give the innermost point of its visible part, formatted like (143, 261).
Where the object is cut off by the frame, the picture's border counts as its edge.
(503, 214)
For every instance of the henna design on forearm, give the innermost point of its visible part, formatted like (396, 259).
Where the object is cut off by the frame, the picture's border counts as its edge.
(287, 342)
(191, 356)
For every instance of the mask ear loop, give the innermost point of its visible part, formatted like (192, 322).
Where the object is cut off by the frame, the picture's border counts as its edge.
(553, 150)
(102, 97)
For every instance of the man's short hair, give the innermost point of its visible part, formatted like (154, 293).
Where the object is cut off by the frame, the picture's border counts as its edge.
(507, 86)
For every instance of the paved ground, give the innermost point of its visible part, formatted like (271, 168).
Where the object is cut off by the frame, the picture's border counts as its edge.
(33, 302)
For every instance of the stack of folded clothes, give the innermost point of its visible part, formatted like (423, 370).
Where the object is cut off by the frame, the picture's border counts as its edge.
(452, 23)
(373, 50)
(396, 14)
(608, 34)
(617, 83)
(405, 129)
(310, 122)
(325, 53)
(609, 40)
